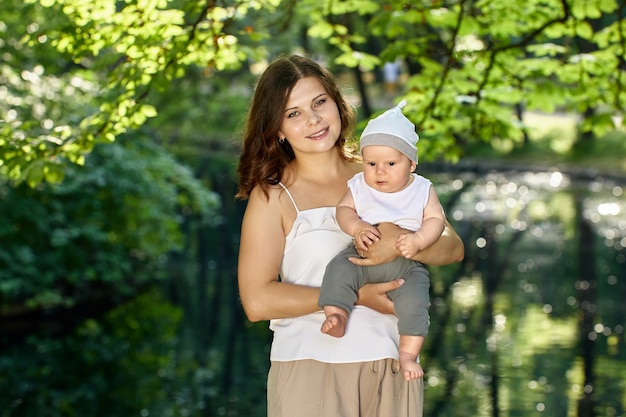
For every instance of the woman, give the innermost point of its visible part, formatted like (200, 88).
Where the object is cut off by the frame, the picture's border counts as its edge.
(293, 170)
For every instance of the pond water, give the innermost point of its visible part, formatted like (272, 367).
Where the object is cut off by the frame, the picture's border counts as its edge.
(531, 323)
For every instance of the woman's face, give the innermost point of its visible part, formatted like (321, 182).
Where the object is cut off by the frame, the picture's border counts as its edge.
(311, 121)
(386, 169)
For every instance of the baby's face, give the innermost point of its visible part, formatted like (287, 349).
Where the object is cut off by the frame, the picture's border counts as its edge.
(386, 169)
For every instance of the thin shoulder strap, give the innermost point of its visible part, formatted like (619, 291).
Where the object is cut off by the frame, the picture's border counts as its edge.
(290, 196)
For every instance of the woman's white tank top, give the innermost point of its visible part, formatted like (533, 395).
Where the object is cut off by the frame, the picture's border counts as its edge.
(313, 241)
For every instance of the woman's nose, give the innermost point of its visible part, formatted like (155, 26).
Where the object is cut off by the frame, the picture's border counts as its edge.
(314, 119)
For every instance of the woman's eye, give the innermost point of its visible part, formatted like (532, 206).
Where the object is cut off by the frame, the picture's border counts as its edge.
(292, 114)
(320, 102)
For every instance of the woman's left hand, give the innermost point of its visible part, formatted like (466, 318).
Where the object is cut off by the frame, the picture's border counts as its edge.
(384, 250)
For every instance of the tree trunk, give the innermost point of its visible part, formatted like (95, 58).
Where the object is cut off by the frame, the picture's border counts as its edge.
(587, 298)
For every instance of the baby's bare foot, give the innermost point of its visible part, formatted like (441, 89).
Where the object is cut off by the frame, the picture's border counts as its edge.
(334, 325)
(410, 369)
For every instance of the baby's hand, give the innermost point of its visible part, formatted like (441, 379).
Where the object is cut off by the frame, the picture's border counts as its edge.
(366, 235)
(408, 244)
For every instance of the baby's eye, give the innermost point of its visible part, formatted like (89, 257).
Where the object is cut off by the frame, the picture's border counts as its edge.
(372, 164)
(391, 164)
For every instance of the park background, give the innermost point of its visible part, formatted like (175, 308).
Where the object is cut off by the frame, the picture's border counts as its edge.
(119, 134)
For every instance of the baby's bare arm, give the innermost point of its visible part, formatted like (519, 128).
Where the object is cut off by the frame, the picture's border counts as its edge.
(433, 223)
(364, 234)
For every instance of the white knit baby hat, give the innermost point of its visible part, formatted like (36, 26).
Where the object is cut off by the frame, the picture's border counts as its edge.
(392, 128)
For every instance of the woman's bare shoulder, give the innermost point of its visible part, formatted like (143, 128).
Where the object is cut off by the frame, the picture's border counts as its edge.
(270, 196)
(275, 211)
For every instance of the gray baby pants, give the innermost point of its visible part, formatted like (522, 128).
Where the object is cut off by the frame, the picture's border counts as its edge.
(342, 280)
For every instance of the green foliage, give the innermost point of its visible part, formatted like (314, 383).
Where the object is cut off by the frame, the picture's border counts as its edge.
(78, 72)
(473, 63)
(204, 114)
(496, 55)
(124, 362)
(110, 225)
(81, 72)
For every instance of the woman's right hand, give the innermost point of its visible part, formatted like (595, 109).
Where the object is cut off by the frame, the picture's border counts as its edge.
(374, 295)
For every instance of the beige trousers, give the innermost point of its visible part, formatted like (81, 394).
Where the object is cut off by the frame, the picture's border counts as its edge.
(308, 388)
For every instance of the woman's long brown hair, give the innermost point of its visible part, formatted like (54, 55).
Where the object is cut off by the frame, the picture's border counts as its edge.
(263, 158)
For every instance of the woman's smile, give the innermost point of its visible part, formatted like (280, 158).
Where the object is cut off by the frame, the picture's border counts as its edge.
(320, 134)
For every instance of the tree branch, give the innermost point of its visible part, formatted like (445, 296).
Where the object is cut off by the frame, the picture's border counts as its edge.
(448, 67)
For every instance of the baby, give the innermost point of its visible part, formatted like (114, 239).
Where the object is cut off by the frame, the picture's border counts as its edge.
(386, 191)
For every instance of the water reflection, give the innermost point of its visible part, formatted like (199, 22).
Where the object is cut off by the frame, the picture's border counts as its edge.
(531, 323)
(543, 256)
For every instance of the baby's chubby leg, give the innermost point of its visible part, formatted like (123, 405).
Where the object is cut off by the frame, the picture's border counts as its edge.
(336, 321)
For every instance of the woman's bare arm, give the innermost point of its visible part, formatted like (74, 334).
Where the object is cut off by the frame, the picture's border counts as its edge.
(263, 296)
(446, 250)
